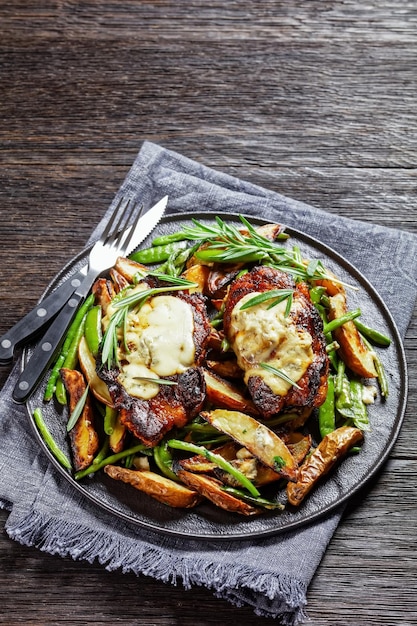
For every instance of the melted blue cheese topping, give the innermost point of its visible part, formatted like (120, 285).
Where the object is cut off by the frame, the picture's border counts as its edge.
(159, 338)
(262, 335)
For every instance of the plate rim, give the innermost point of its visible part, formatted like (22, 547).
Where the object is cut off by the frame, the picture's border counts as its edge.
(298, 523)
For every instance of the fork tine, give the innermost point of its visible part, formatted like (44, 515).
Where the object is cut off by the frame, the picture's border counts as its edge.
(123, 244)
(111, 221)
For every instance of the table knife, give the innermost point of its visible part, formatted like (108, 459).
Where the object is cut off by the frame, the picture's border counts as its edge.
(42, 357)
(30, 325)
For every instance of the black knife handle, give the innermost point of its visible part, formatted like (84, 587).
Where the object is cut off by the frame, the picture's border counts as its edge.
(27, 327)
(45, 350)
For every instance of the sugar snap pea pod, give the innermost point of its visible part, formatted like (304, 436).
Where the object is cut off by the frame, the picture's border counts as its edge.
(109, 460)
(92, 331)
(163, 240)
(360, 412)
(49, 440)
(218, 460)
(339, 321)
(54, 376)
(343, 400)
(157, 254)
(327, 417)
(373, 335)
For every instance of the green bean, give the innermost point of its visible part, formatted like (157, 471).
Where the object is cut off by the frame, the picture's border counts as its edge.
(109, 460)
(163, 459)
(92, 330)
(360, 418)
(102, 453)
(339, 321)
(157, 254)
(262, 502)
(373, 335)
(53, 378)
(49, 440)
(70, 362)
(218, 460)
(379, 367)
(327, 410)
(163, 240)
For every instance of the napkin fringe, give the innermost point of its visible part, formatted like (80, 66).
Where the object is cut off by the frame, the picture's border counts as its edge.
(267, 595)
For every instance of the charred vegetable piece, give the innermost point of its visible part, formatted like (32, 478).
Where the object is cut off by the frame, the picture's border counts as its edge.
(88, 365)
(83, 436)
(213, 490)
(223, 394)
(159, 487)
(330, 450)
(257, 438)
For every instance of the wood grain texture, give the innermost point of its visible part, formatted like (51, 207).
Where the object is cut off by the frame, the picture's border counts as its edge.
(315, 100)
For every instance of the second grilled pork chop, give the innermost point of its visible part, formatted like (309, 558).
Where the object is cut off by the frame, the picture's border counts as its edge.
(266, 335)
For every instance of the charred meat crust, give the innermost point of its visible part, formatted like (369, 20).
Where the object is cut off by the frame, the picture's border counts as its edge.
(313, 384)
(149, 420)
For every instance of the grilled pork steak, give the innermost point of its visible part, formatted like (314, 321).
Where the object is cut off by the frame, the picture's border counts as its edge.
(167, 340)
(266, 336)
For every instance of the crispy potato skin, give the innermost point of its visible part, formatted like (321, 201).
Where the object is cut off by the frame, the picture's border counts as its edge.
(330, 450)
(159, 487)
(223, 394)
(83, 437)
(263, 443)
(211, 489)
(352, 349)
(98, 387)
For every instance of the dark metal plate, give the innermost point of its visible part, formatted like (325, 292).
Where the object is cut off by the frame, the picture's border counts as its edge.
(207, 521)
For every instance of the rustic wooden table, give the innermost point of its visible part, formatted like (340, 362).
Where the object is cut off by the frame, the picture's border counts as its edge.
(315, 100)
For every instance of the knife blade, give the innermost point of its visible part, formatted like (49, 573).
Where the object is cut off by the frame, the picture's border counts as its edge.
(30, 325)
(50, 343)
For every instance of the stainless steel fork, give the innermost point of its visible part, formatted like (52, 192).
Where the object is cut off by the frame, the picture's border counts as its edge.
(114, 242)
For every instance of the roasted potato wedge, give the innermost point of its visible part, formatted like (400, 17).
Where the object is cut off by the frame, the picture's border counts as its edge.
(118, 436)
(261, 441)
(128, 268)
(197, 274)
(223, 394)
(104, 292)
(159, 487)
(225, 369)
(352, 349)
(88, 365)
(211, 488)
(83, 436)
(330, 450)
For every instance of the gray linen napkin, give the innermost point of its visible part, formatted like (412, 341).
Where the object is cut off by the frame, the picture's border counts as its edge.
(269, 574)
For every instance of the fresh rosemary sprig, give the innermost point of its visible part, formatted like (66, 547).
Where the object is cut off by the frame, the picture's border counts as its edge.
(122, 306)
(157, 381)
(225, 243)
(275, 295)
(280, 373)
